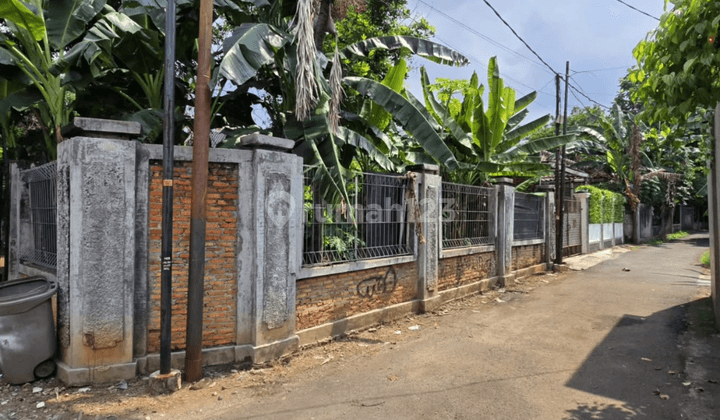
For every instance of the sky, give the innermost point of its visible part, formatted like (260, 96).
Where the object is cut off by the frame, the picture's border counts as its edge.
(596, 36)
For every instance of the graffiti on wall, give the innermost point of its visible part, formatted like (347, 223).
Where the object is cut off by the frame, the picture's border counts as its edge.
(378, 284)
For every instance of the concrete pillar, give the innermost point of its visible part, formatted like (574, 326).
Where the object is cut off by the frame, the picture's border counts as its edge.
(96, 255)
(271, 248)
(14, 240)
(714, 214)
(583, 198)
(428, 191)
(550, 242)
(505, 220)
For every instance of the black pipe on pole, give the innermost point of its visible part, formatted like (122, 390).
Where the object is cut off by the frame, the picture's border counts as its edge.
(167, 206)
(562, 165)
(558, 198)
(201, 143)
(5, 211)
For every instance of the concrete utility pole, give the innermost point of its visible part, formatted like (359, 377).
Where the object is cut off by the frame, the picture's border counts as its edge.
(561, 193)
(201, 142)
(558, 197)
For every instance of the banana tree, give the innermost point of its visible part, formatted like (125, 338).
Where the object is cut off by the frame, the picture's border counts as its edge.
(492, 140)
(45, 39)
(266, 54)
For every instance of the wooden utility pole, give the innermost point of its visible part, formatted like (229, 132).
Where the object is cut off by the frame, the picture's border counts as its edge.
(201, 143)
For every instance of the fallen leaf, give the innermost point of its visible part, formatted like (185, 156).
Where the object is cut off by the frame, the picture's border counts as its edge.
(414, 328)
(688, 383)
(664, 397)
(40, 405)
(645, 359)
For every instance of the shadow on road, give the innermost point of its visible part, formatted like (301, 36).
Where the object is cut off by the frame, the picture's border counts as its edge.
(639, 365)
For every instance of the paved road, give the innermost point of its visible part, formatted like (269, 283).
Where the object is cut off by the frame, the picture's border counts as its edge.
(596, 344)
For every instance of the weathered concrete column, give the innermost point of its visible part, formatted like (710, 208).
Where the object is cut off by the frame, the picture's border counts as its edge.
(96, 255)
(428, 193)
(550, 242)
(270, 248)
(505, 222)
(714, 214)
(583, 198)
(16, 237)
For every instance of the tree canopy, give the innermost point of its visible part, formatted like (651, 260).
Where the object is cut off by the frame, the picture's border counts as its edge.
(679, 62)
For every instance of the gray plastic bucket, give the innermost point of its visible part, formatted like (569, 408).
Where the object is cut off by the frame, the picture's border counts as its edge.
(27, 330)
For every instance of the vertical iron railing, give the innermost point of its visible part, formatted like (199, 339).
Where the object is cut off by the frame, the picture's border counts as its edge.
(465, 215)
(42, 206)
(372, 225)
(529, 217)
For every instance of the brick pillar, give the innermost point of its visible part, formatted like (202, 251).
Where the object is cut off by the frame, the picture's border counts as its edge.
(550, 242)
(505, 220)
(584, 223)
(271, 248)
(96, 254)
(428, 192)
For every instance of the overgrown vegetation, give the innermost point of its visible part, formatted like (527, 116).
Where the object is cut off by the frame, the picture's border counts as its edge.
(705, 259)
(605, 206)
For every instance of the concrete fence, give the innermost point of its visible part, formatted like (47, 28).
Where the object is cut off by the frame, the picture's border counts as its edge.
(261, 301)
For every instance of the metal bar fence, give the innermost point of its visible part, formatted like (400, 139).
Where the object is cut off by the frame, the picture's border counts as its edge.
(373, 225)
(465, 215)
(42, 189)
(529, 215)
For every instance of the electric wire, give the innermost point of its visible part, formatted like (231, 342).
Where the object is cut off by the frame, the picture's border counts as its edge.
(638, 10)
(479, 34)
(518, 36)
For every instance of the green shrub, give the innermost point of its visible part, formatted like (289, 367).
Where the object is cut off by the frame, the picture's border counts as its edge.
(595, 202)
(605, 206)
(705, 259)
(619, 208)
(677, 235)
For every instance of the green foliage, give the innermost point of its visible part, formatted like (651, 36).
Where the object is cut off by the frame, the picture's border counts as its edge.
(678, 63)
(705, 259)
(488, 137)
(677, 235)
(605, 206)
(619, 209)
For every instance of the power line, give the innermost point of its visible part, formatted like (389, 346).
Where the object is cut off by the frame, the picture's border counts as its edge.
(638, 10)
(587, 97)
(480, 35)
(479, 62)
(519, 37)
(594, 70)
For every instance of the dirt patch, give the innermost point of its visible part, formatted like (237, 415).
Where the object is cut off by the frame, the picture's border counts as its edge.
(137, 400)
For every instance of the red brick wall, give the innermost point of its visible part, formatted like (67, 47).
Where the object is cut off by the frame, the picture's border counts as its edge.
(325, 299)
(457, 271)
(220, 255)
(527, 256)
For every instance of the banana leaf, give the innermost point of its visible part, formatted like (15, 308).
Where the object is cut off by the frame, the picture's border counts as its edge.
(68, 19)
(464, 141)
(427, 49)
(251, 46)
(408, 116)
(20, 14)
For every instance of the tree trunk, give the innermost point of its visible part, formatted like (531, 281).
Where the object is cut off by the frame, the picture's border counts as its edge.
(324, 23)
(635, 223)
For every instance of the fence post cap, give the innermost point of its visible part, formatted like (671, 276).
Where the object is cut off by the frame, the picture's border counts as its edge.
(425, 168)
(545, 188)
(261, 141)
(503, 181)
(98, 127)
